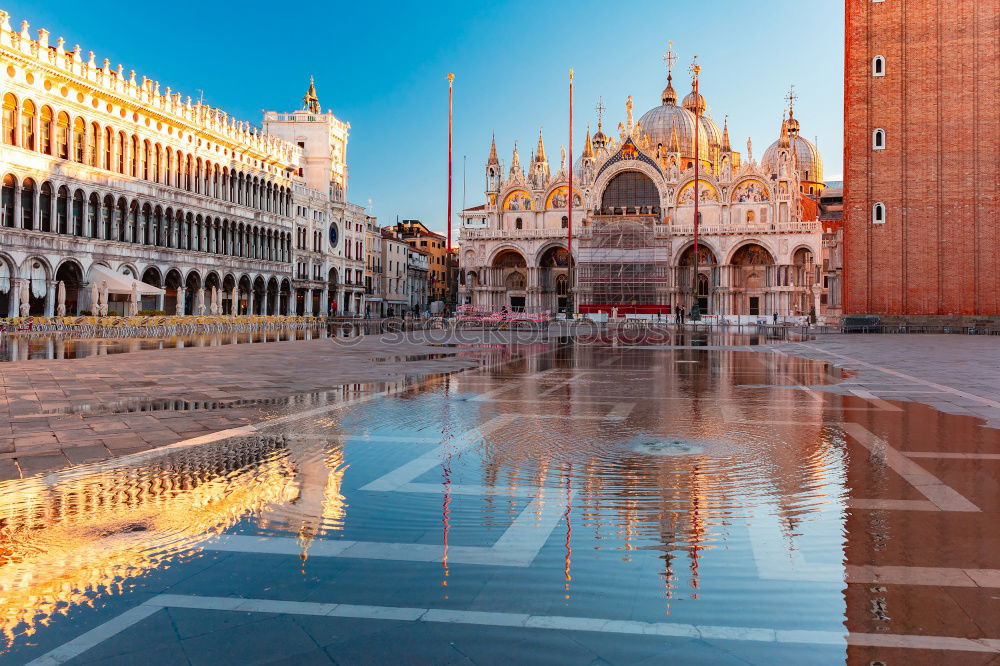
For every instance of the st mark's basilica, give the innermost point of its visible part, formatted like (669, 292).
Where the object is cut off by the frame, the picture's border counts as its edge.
(761, 250)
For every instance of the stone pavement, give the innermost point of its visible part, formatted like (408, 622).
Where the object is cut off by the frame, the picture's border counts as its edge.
(66, 412)
(55, 413)
(955, 374)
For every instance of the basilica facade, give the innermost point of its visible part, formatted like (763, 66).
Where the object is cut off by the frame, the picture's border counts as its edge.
(760, 245)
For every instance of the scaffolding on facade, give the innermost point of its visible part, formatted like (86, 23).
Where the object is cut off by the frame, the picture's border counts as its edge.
(621, 264)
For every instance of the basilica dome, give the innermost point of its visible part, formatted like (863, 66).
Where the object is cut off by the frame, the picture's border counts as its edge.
(658, 124)
(807, 159)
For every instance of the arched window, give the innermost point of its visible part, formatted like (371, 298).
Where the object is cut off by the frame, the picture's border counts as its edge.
(62, 135)
(45, 131)
(28, 125)
(109, 146)
(750, 216)
(630, 189)
(79, 139)
(878, 66)
(92, 145)
(62, 211)
(878, 213)
(122, 151)
(45, 207)
(28, 204)
(77, 223)
(10, 119)
(878, 139)
(147, 153)
(518, 223)
(134, 157)
(7, 201)
(564, 223)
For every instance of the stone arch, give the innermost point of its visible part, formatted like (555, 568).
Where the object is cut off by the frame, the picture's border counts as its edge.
(70, 272)
(685, 252)
(601, 183)
(37, 270)
(503, 250)
(273, 301)
(259, 292)
(733, 254)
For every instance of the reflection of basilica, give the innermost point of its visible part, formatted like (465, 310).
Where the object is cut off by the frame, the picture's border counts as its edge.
(681, 506)
(762, 246)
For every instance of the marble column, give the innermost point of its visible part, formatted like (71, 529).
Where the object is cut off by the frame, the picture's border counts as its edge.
(50, 299)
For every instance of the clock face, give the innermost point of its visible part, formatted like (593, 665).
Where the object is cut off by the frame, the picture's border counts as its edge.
(334, 234)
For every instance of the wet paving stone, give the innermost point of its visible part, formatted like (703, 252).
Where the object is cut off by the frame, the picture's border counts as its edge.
(551, 503)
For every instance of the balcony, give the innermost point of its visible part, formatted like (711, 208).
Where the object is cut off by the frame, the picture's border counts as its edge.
(744, 228)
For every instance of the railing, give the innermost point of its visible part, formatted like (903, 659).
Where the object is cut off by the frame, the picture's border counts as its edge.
(511, 234)
(743, 228)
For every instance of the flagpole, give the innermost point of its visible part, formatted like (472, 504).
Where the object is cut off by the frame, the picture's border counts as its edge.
(695, 309)
(571, 285)
(447, 254)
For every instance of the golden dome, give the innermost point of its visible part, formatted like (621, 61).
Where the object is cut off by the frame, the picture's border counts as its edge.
(658, 124)
(808, 161)
(692, 101)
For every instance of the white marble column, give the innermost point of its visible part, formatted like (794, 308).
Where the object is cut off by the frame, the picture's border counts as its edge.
(50, 299)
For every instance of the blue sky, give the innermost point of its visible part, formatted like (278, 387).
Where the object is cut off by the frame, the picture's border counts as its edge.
(381, 66)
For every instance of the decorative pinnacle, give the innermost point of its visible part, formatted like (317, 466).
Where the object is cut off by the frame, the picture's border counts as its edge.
(451, 79)
(600, 112)
(695, 68)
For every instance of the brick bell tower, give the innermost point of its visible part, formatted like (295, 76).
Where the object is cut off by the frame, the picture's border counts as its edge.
(921, 145)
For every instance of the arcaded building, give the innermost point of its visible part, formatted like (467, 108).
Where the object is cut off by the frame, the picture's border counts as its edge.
(922, 144)
(760, 245)
(105, 171)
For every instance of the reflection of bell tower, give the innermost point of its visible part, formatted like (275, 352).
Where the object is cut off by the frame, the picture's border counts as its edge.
(493, 173)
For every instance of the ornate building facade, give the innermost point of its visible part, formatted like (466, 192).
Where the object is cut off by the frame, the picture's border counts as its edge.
(104, 172)
(760, 242)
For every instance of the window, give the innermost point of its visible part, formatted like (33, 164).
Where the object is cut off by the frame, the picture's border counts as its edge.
(79, 137)
(28, 125)
(878, 213)
(750, 216)
(45, 131)
(878, 139)
(62, 136)
(518, 224)
(878, 66)
(565, 222)
(10, 119)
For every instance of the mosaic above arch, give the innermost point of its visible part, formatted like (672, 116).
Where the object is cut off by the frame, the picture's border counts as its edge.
(559, 197)
(751, 191)
(706, 193)
(518, 200)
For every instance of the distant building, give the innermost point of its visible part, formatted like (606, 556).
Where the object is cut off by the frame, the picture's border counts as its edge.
(922, 134)
(374, 306)
(395, 296)
(418, 283)
(419, 236)
(324, 222)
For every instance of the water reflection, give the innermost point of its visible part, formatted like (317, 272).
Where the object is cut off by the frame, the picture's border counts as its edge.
(91, 532)
(679, 480)
(42, 346)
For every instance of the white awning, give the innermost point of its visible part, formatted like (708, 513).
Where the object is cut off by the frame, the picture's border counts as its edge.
(119, 283)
